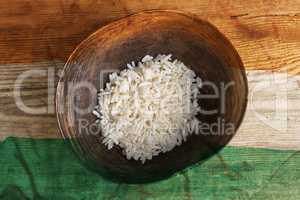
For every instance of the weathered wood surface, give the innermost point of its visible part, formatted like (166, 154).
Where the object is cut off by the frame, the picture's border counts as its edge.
(273, 115)
(41, 35)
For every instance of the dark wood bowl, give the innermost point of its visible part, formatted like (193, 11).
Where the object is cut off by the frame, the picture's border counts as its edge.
(195, 42)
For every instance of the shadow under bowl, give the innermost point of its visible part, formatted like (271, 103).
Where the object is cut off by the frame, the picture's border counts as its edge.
(195, 42)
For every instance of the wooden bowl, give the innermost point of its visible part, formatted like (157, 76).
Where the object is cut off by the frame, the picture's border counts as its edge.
(195, 42)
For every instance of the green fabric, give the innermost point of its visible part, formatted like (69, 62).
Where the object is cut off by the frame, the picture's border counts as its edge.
(47, 169)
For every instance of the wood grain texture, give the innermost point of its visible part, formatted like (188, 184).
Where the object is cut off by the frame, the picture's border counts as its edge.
(35, 94)
(42, 34)
(272, 119)
(266, 33)
(254, 131)
(236, 173)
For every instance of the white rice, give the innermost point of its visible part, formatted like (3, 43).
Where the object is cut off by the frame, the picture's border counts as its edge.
(148, 109)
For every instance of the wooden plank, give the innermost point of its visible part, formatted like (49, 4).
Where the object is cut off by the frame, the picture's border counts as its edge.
(44, 33)
(266, 33)
(34, 93)
(261, 126)
(233, 174)
(272, 119)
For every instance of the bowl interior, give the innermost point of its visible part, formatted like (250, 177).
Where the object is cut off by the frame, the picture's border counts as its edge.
(195, 42)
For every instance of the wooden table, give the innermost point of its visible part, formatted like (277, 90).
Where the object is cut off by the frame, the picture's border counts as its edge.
(40, 35)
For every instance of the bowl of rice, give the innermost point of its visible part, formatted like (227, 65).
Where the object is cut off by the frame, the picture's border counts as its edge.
(150, 95)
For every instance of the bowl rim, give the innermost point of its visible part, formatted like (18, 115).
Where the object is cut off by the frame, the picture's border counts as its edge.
(65, 132)
(194, 17)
